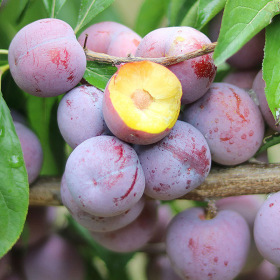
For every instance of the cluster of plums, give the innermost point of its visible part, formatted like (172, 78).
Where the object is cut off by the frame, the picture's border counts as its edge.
(133, 142)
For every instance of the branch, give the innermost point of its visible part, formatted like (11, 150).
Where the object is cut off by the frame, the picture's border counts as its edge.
(114, 60)
(249, 178)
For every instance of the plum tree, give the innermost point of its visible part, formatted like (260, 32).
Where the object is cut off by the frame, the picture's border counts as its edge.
(46, 59)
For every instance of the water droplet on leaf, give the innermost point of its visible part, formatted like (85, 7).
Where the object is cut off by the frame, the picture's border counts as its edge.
(15, 161)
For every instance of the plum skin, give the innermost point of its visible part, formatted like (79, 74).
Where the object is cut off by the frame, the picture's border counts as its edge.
(64, 262)
(230, 121)
(258, 87)
(79, 115)
(46, 59)
(95, 223)
(267, 229)
(177, 164)
(203, 249)
(104, 176)
(195, 75)
(111, 38)
(133, 236)
(31, 149)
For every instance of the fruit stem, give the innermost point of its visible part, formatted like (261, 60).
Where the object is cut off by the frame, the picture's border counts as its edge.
(169, 60)
(4, 51)
(3, 69)
(211, 210)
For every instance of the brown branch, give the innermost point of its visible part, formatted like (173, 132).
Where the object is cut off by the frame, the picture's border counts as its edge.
(249, 178)
(114, 60)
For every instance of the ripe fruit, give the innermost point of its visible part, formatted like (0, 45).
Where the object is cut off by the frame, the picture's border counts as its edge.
(201, 249)
(46, 59)
(104, 176)
(95, 223)
(177, 164)
(258, 87)
(133, 236)
(54, 259)
(111, 38)
(79, 115)
(267, 229)
(249, 56)
(230, 121)
(31, 149)
(142, 102)
(197, 74)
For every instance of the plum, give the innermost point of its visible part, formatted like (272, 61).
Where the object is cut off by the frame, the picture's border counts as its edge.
(250, 55)
(39, 223)
(55, 258)
(46, 59)
(160, 268)
(267, 229)
(133, 236)
(177, 164)
(141, 102)
(111, 38)
(230, 121)
(79, 115)
(201, 248)
(31, 149)
(95, 223)
(242, 79)
(104, 176)
(164, 217)
(258, 87)
(247, 206)
(195, 75)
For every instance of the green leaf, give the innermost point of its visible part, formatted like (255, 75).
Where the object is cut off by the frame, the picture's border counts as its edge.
(207, 10)
(269, 142)
(89, 9)
(271, 66)
(242, 19)
(151, 13)
(98, 74)
(177, 10)
(191, 17)
(43, 121)
(14, 188)
(53, 7)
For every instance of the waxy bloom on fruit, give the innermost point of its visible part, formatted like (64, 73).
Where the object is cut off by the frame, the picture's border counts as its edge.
(142, 102)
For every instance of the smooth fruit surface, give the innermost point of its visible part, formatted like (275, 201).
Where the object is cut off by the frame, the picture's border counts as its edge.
(230, 121)
(201, 249)
(46, 59)
(177, 164)
(104, 176)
